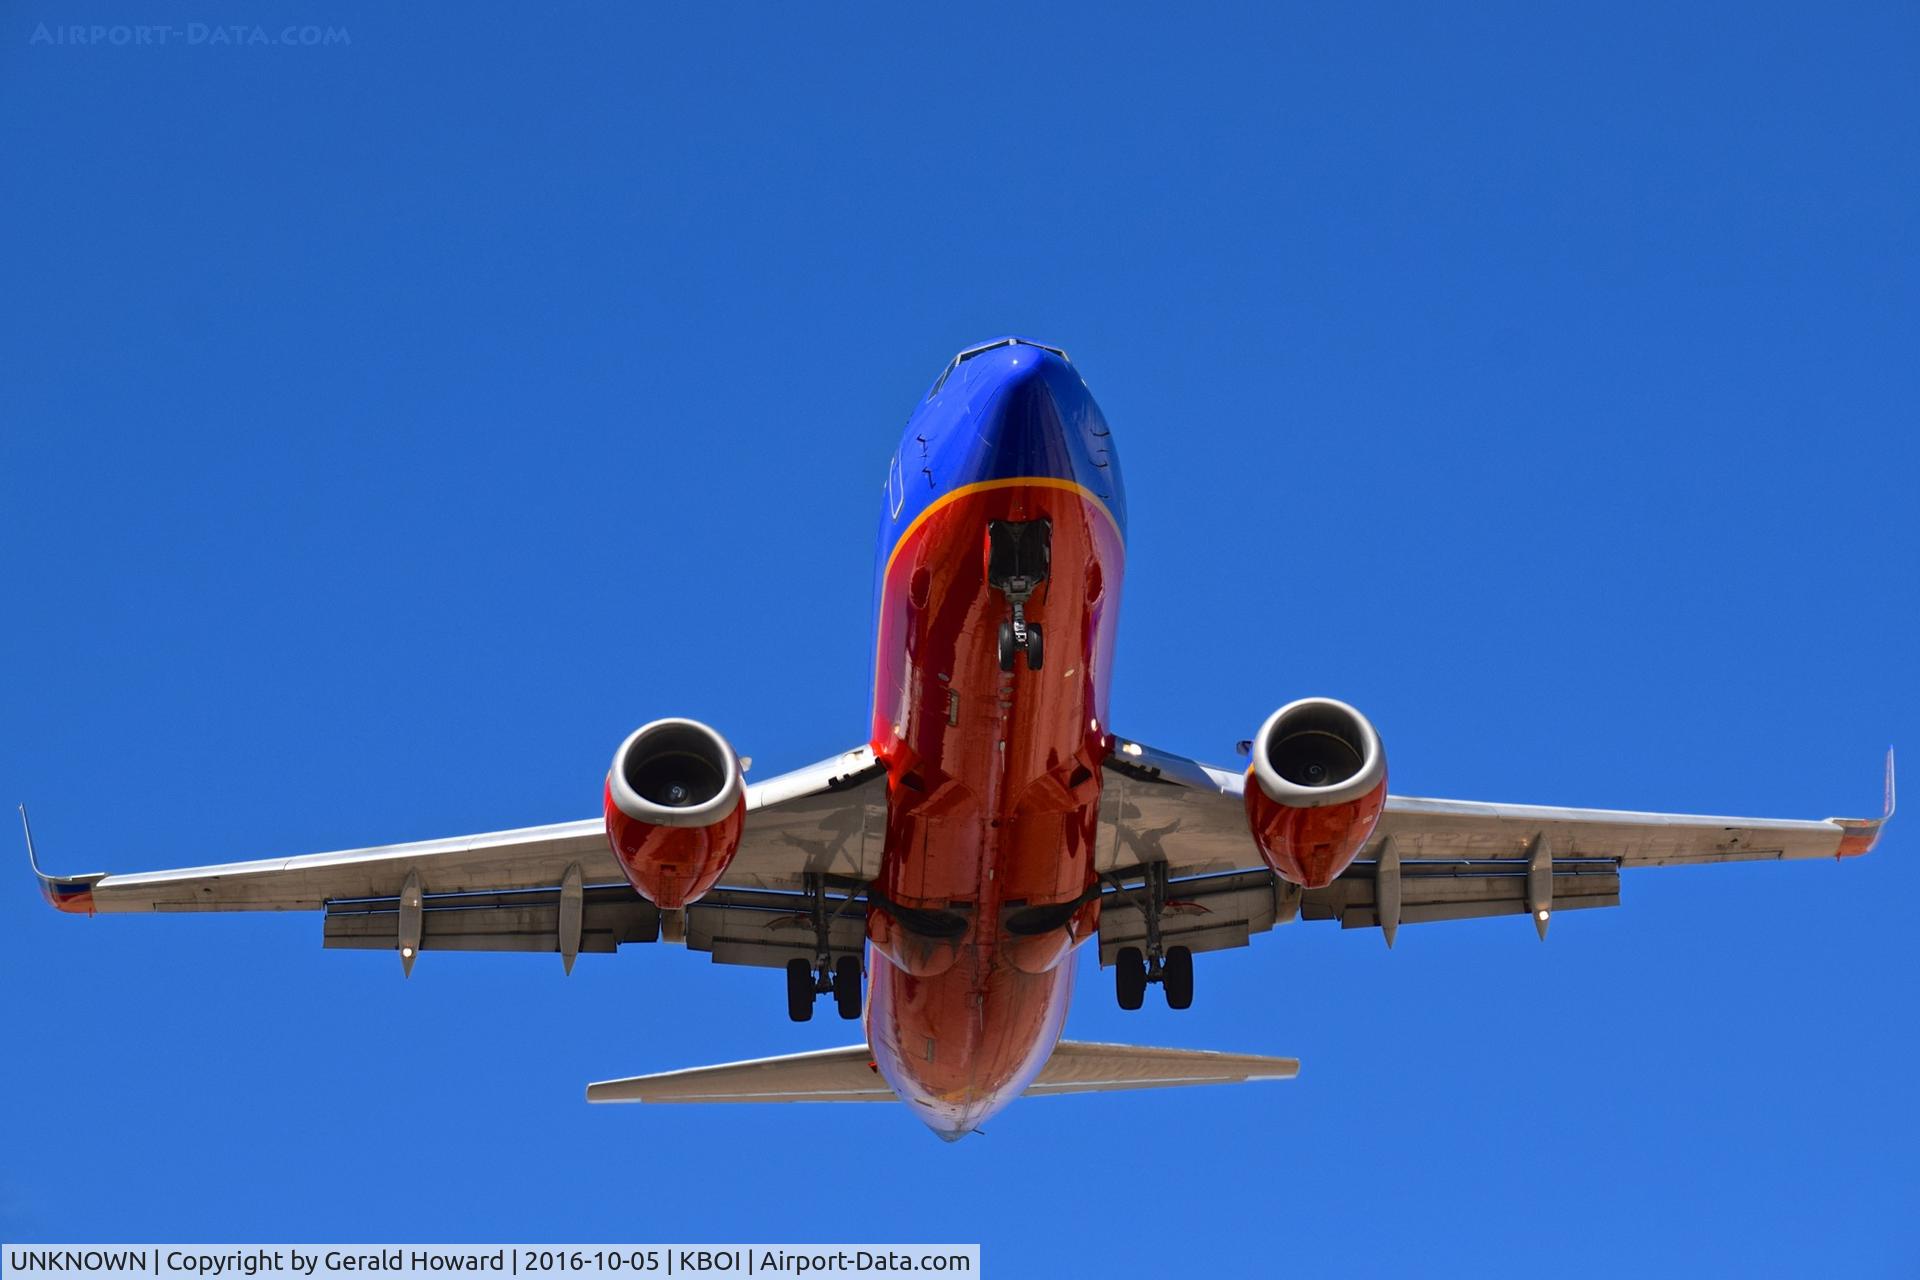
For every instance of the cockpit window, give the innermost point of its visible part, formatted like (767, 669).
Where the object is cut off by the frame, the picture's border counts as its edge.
(982, 349)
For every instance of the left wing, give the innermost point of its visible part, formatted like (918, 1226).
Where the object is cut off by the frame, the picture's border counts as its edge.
(1433, 859)
(549, 888)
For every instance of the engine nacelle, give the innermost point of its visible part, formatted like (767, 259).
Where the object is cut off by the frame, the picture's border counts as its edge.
(676, 804)
(1319, 783)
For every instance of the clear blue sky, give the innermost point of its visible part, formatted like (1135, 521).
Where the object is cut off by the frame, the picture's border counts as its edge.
(386, 429)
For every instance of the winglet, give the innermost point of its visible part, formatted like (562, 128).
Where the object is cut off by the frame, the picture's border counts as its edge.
(72, 894)
(1859, 835)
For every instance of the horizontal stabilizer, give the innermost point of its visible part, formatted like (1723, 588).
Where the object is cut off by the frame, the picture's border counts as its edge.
(850, 1075)
(1078, 1066)
(825, 1075)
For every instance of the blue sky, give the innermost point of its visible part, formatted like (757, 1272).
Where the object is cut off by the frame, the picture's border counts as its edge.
(387, 428)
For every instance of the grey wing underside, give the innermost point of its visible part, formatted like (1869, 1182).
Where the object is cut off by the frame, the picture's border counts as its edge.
(553, 888)
(1427, 860)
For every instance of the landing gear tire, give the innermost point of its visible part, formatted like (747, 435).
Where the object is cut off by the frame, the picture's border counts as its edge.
(1176, 976)
(800, 991)
(1130, 977)
(846, 986)
(1036, 649)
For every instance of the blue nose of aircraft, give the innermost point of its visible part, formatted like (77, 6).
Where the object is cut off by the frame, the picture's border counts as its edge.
(1026, 412)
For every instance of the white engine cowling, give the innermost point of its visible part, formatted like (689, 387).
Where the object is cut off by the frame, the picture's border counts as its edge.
(676, 806)
(1319, 780)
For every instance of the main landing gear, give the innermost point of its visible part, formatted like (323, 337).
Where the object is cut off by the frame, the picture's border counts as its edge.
(1171, 967)
(807, 980)
(806, 984)
(1019, 556)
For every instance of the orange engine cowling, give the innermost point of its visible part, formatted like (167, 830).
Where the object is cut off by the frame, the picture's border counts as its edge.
(1316, 788)
(676, 804)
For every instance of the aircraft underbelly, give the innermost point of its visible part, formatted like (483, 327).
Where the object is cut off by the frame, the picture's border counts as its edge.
(993, 799)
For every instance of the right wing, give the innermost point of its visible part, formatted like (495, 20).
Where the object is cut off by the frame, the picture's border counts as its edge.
(1427, 859)
(550, 888)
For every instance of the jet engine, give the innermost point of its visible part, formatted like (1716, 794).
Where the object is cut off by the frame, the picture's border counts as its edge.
(676, 804)
(1319, 783)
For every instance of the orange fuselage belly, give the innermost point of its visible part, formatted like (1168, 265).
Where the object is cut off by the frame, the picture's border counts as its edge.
(993, 798)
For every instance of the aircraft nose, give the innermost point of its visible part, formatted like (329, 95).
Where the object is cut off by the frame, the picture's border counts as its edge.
(1033, 420)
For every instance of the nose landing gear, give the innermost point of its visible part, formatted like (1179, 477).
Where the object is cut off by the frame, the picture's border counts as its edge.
(1172, 967)
(1019, 557)
(1020, 636)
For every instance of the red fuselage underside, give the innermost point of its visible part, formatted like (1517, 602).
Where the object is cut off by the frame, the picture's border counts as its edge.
(993, 795)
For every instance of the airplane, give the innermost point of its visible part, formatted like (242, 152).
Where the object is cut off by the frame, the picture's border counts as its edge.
(938, 878)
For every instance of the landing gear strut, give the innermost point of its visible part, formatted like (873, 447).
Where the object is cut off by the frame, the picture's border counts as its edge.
(1171, 967)
(1019, 556)
(808, 981)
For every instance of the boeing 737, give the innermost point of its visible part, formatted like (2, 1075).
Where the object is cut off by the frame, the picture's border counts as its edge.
(938, 878)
